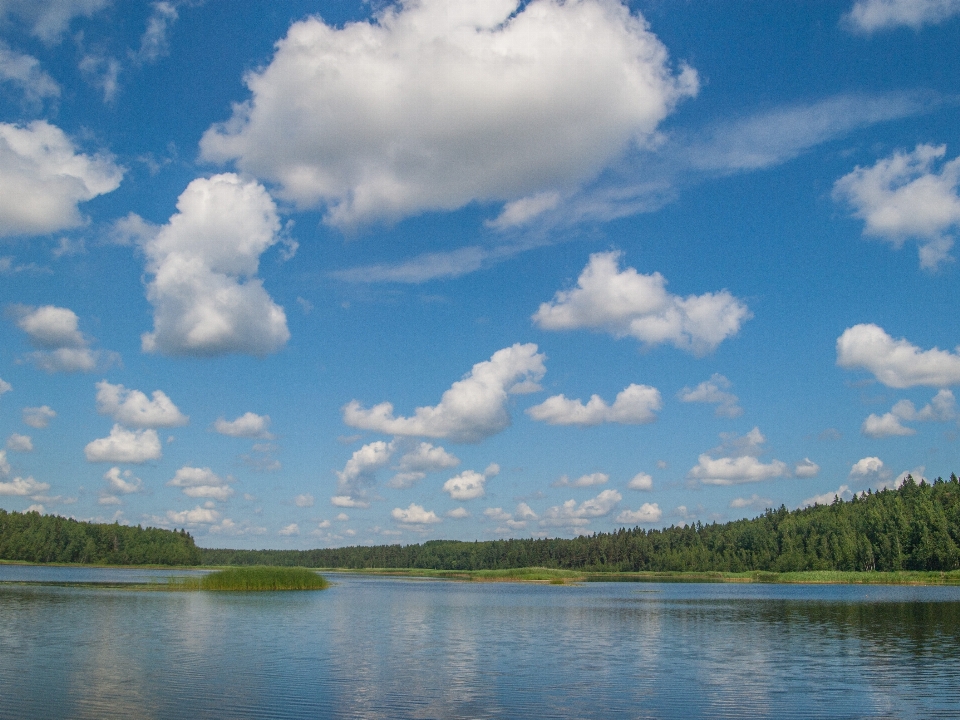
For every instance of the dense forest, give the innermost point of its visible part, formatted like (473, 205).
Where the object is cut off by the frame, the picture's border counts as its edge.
(36, 538)
(915, 527)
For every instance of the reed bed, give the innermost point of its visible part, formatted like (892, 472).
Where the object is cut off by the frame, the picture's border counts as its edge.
(254, 579)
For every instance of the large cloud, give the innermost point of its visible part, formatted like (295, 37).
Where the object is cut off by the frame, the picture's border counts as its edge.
(472, 409)
(22, 486)
(207, 299)
(43, 179)
(896, 363)
(635, 405)
(871, 15)
(125, 446)
(433, 105)
(359, 474)
(630, 304)
(740, 464)
(132, 407)
(903, 196)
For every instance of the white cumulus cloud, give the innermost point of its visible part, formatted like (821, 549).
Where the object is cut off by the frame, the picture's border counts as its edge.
(904, 196)
(741, 465)
(942, 408)
(433, 105)
(22, 487)
(571, 515)
(806, 468)
(49, 19)
(645, 514)
(359, 474)
(868, 467)
(507, 522)
(122, 481)
(197, 516)
(206, 297)
(25, 72)
(416, 463)
(634, 405)
(303, 501)
(896, 363)
(414, 515)
(201, 483)
(597, 478)
(470, 484)
(55, 332)
(640, 481)
(248, 425)
(714, 392)
(871, 15)
(132, 407)
(472, 409)
(827, 498)
(38, 417)
(43, 179)
(5, 387)
(125, 446)
(629, 304)
(290, 530)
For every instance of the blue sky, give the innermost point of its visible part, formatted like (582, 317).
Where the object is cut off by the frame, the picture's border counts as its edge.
(298, 274)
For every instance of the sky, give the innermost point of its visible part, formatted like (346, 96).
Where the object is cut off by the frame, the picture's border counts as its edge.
(310, 274)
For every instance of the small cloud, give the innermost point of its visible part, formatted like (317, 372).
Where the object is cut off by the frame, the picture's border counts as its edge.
(125, 446)
(304, 501)
(470, 484)
(248, 425)
(414, 515)
(647, 513)
(806, 468)
(289, 530)
(582, 481)
(202, 483)
(640, 481)
(755, 502)
(714, 392)
(37, 417)
(458, 513)
(19, 443)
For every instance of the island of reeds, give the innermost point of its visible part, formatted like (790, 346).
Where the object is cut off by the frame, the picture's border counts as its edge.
(914, 528)
(255, 578)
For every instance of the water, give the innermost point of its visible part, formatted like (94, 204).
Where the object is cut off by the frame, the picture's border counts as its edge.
(404, 648)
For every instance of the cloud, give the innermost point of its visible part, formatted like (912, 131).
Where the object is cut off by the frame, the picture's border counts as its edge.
(430, 108)
(5, 387)
(942, 408)
(640, 481)
(470, 484)
(630, 304)
(153, 43)
(248, 425)
(597, 478)
(896, 363)
(23, 486)
(903, 196)
(507, 522)
(125, 446)
(866, 466)
(132, 407)
(49, 19)
(754, 502)
(457, 513)
(24, 71)
(4, 465)
(871, 15)
(635, 405)
(713, 392)
(827, 498)
(303, 501)
(201, 483)
(415, 464)
(206, 297)
(38, 417)
(289, 530)
(741, 465)
(197, 516)
(647, 513)
(359, 474)
(122, 481)
(806, 468)
(55, 332)
(472, 409)
(414, 515)
(19, 443)
(572, 515)
(43, 179)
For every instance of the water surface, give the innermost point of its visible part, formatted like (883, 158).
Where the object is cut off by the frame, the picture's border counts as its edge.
(378, 647)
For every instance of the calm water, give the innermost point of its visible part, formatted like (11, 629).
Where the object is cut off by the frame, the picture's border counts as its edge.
(398, 648)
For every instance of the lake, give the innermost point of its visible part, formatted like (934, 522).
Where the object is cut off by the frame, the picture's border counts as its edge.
(376, 647)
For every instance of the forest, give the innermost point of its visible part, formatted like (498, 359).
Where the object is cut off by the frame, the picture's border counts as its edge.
(914, 527)
(32, 537)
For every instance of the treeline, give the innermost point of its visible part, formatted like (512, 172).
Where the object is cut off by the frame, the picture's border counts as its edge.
(36, 538)
(915, 527)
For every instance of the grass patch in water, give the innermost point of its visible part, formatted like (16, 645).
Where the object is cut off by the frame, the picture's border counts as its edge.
(256, 578)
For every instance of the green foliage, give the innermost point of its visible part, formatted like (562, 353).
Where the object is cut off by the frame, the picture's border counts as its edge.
(32, 537)
(916, 527)
(257, 578)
